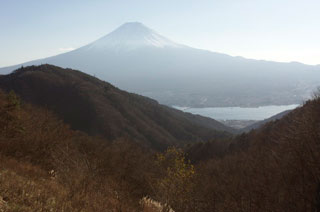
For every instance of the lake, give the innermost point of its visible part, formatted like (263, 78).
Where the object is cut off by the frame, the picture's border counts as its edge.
(239, 113)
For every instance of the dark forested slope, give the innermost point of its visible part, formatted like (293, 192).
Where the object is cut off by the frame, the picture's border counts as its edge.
(274, 168)
(98, 108)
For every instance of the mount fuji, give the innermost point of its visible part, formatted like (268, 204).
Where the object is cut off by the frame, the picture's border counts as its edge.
(131, 36)
(138, 59)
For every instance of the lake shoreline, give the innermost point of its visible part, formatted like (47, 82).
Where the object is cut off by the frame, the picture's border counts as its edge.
(238, 113)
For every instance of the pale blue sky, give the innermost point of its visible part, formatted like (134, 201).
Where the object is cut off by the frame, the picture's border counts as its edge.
(280, 30)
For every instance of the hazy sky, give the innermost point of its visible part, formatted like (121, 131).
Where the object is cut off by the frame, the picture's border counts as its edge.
(280, 30)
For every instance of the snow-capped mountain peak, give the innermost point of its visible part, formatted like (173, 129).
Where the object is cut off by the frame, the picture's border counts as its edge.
(132, 35)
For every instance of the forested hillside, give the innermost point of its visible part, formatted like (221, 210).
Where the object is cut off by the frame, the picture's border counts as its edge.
(46, 166)
(98, 108)
(274, 168)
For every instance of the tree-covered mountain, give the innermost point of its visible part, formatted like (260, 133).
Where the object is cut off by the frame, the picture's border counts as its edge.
(98, 108)
(138, 59)
(273, 168)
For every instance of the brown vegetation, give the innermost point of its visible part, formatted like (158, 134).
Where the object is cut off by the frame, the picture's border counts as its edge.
(46, 166)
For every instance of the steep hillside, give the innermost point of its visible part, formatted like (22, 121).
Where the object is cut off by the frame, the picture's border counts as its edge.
(98, 108)
(290, 124)
(46, 166)
(297, 125)
(273, 168)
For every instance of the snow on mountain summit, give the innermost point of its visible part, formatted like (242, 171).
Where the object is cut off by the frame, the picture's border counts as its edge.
(132, 35)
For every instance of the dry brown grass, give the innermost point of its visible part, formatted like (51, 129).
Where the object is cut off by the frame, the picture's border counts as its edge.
(26, 187)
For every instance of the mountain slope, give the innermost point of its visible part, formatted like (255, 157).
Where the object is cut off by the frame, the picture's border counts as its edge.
(137, 59)
(98, 108)
(273, 168)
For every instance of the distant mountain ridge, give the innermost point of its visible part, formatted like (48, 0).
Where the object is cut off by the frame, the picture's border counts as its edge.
(137, 59)
(98, 108)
